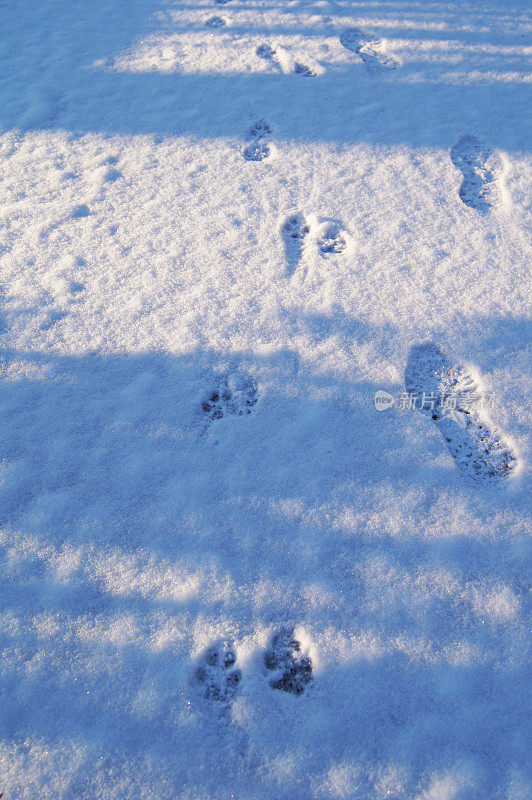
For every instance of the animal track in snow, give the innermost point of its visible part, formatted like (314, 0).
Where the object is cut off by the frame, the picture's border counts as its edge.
(107, 172)
(302, 69)
(294, 231)
(217, 675)
(293, 669)
(78, 212)
(475, 444)
(330, 238)
(266, 52)
(53, 316)
(283, 61)
(112, 175)
(259, 130)
(257, 149)
(481, 167)
(63, 291)
(81, 211)
(369, 49)
(215, 22)
(235, 394)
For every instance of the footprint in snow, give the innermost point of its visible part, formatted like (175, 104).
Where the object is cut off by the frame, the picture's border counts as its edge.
(302, 69)
(369, 48)
(257, 149)
(330, 238)
(481, 167)
(81, 211)
(455, 405)
(259, 130)
(77, 212)
(266, 52)
(235, 394)
(216, 674)
(292, 670)
(215, 22)
(111, 174)
(52, 317)
(293, 231)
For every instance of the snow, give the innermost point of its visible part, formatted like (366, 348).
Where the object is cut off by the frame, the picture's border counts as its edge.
(191, 460)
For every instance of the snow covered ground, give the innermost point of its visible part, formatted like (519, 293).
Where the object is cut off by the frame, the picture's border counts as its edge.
(223, 227)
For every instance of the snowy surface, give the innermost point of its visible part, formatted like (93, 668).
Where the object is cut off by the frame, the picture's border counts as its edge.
(196, 490)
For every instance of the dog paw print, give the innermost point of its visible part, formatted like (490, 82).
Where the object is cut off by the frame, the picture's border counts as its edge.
(235, 394)
(292, 670)
(216, 674)
(257, 149)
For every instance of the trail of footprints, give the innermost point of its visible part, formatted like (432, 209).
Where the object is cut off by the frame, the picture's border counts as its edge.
(480, 165)
(67, 290)
(474, 442)
(287, 668)
(368, 47)
(477, 447)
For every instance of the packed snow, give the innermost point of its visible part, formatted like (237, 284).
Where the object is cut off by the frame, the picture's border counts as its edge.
(229, 230)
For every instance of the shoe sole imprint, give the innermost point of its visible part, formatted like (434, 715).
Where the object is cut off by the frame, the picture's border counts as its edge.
(481, 168)
(455, 407)
(368, 48)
